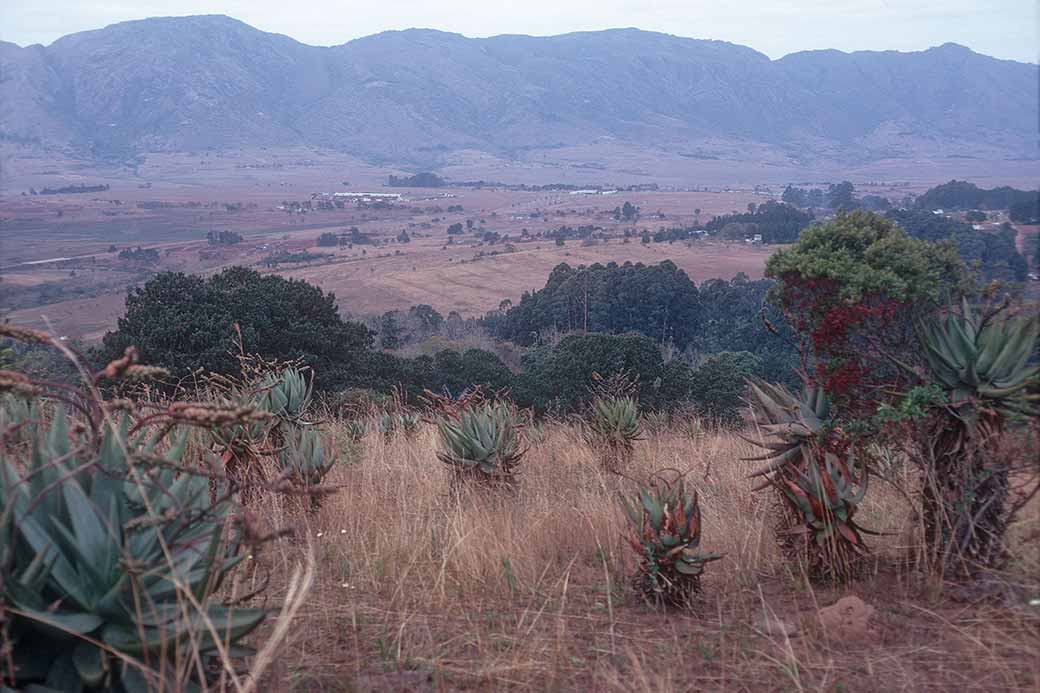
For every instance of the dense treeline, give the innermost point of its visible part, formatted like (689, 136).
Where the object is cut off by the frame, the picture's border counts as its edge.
(287, 257)
(737, 316)
(65, 190)
(1022, 205)
(992, 253)
(448, 372)
(837, 197)
(223, 238)
(189, 325)
(419, 180)
(148, 256)
(581, 232)
(659, 301)
(670, 235)
(550, 379)
(777, 222)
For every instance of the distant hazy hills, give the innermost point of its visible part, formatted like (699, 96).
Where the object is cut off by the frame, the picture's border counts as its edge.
(410, 96)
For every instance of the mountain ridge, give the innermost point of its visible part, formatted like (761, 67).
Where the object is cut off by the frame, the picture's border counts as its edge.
(235, 21)
(409, 96)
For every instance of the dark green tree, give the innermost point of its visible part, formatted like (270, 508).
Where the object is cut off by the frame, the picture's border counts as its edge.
(455, 373)
(558, 379)
(992, 254)
(659, 301)
(736, 316)
(777, 222)
(186, 323)
(795, 197)
(842, 196)
(958, 194)
(875, 203)
(718, 385)
(390, 330)
(428, 321)
(1026, 211)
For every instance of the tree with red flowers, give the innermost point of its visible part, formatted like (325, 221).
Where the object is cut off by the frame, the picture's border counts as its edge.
(852, 289)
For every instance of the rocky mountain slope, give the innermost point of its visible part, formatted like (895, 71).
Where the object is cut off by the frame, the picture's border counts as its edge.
(193, 83)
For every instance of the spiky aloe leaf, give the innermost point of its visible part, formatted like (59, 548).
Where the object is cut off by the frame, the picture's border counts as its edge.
(791, 424)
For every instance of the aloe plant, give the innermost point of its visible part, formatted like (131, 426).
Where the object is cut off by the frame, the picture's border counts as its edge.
(826, 499)
(355, 429)
(405, 422)
(612, 428)
(111, 559)
(17, 417)
(286, 395)
(303, 458)
(981, 363)
(280, 399)
(665, 522)
(790, 424)
(982, 360)
(481, 442)
(808, 462)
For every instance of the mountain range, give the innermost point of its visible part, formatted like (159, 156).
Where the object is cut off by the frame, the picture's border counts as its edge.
(212, 82)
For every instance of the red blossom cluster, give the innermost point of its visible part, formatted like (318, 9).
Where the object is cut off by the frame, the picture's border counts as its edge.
(832, 331)
(836, 330)
(841, 380)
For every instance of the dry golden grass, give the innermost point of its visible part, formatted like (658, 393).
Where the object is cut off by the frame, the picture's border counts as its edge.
(452, 280)
(419, 590)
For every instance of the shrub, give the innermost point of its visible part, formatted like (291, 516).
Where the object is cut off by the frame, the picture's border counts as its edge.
(719, 384)
(557, 378)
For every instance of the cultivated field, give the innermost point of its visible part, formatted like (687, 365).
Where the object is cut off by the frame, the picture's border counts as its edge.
(60, 268)
(417, 590)
(473, 285)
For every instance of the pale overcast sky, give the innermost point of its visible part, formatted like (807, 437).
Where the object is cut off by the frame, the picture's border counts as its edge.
(1001, 28)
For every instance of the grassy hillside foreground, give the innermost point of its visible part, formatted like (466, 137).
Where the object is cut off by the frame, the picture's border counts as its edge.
(398, 579)
(415, 589)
